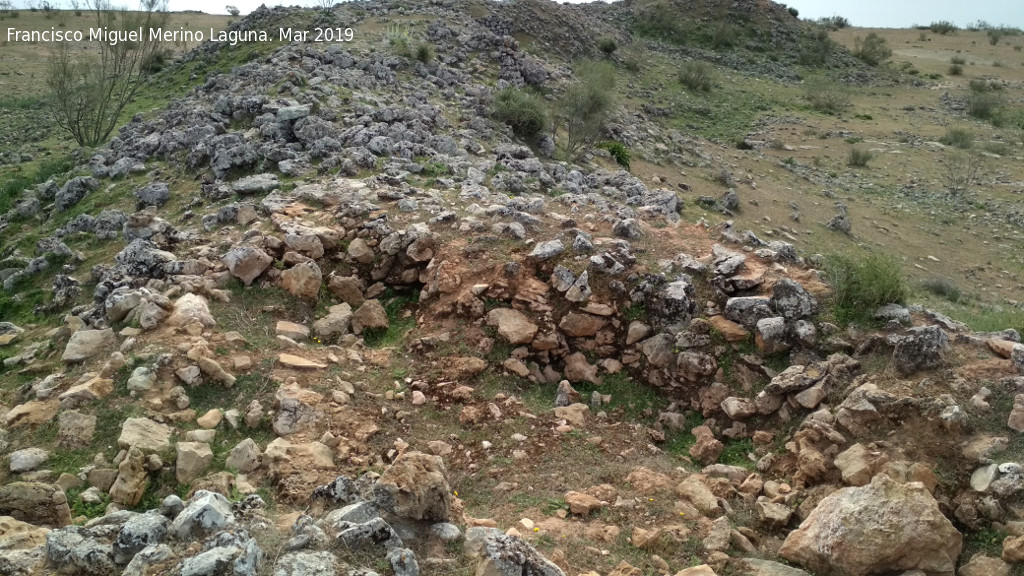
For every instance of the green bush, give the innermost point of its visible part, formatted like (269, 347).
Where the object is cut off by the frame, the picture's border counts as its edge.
(697, 76)
(607, 46)
(958, 60)
(861, 284)
(834, 22)
(872, 49)
(956, 70)
(817, 50)
(584, 107)
(826, 97)
(983, 102)
(424, 52)
(618, 151)
(943, 287)
(859, 157)
(943, 27)
(660, 21)
(958, 137)
(522, 111)
(994, 35)
(793, 12)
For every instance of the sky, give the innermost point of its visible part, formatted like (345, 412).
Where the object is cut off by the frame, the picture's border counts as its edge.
(906, 13)
(861, 13)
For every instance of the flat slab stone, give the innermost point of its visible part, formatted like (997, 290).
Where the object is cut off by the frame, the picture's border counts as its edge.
(293, 361)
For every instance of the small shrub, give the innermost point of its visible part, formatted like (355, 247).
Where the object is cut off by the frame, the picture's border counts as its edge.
(723, 35)
(826, 97)
(607, 46)
(943, 27)
(873, 49)
(793, 12)
(958, 60)
(522, 111)
(984, 105)
(662, 22)
(943, 287)
(956, 70)
(618, 151)
(859, 157)
(861, 284)
(697, 76)
(994, 36)
(958, 137)
(424, 52)
(834, 22)
(961, 169)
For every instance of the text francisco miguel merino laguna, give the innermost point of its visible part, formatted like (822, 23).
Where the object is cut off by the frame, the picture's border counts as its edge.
(114, 36)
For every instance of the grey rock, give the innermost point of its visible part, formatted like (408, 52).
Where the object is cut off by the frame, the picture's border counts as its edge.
(580, 290)
(142, 379)
(138, 532)
(75, 550)
(171, 506)
(562, 278)
(155, 194)
(256, 184)
(85, 344)
(546, 250)
(403, 562)
(893, 312)
(74, 191)
(247, 262)
(627, 228)
(373, 534)
(27, 459)
(206, 512)
(747, 310)
(306, 563)
(791, 301)
(147, 557)
(499, 554)
(921, 348)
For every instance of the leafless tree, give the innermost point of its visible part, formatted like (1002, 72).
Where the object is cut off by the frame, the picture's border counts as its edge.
(89, 93)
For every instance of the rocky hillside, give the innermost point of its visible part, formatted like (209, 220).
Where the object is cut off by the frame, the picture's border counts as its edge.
(324, 314)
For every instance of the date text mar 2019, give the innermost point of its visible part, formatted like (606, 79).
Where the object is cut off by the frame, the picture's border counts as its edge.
(316, 35)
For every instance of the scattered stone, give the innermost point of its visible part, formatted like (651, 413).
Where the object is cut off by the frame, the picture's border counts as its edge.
(512, 325)
(86, 344)
(881, 527)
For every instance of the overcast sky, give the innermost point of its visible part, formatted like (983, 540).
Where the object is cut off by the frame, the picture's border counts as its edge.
(863, 13)
(906, 13)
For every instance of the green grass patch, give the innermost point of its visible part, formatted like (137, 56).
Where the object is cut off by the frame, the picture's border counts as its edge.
(11, 189)
(400, 308)
(862, 283)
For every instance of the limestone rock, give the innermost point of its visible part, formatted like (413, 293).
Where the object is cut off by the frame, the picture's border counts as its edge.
(85, 344)
(981, 565)
(189, 309)
(498, 554)
(247, 262)
(415, 487)
(192, 460)
(882, 527)
(921, 348)
(303, 280)
(370, 316)
(582, 503)
(131, 481)
(694, 490)
(145, 434)
(205, 514)
(298, 409)
(35, 503)
(512, 325)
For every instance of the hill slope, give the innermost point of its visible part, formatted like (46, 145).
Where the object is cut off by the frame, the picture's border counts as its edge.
(321, 312)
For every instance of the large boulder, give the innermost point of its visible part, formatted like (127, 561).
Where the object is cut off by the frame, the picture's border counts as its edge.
(883, 527)
(303, 280)
(791, 301)
(85, 344)
(499, 554)
(247, 262)
(416, 487)
(921, 348)
(512, 325)
(205, 514)
(35, 503)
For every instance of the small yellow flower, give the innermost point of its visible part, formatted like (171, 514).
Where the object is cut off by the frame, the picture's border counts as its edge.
(456, 492)
(535, 529)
